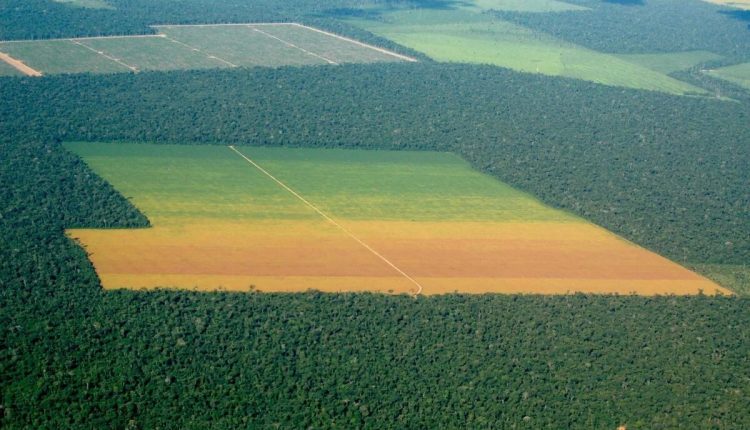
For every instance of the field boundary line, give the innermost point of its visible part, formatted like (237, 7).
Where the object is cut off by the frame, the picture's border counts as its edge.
(19, 65)
(357, 42)
(211, 56)
(109, 57)
(331, 220)
(329, 61)
(67, 39)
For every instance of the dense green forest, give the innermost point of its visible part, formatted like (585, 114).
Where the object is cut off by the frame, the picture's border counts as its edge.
(670, 173)
(649, 26)
(667, 171)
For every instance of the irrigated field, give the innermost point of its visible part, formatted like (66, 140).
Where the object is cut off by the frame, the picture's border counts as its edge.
(346, 220)
(197, 47)
(465, 36)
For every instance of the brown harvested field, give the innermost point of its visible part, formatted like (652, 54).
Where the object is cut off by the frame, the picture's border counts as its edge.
(331, 220)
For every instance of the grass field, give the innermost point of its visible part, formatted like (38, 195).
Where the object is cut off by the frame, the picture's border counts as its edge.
(524, 5)
(738, 74)
(347, 220)
(671, 62)
(153, 53)
(196, 47)
(60, 56)
(463, 36)
(87, 4)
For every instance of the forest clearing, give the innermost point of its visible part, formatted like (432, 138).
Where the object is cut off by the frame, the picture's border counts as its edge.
(273, 219)
(185, 47)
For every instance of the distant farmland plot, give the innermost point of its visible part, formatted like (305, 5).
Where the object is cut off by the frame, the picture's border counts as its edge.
(60, 56)
(465, 36)
(196, 47)
(277, 219)
(152, 53)
(738, 74)
(672, 61)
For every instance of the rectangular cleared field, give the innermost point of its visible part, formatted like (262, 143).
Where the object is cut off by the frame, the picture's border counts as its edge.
(465, 36)
(196, 47)
(276, 219)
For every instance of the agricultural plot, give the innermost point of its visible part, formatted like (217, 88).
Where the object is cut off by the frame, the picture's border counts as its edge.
(738, 74)
(672, 61)
(523, 5)
(152, 53)
(60, 56)
(197, 47)
(277, 219)
(464, 36)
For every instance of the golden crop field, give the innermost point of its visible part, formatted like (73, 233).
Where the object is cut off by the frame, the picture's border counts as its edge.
(288, 220)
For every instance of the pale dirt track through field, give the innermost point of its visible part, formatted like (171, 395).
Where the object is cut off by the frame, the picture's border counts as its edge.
(211, 56)
(329, 61)
(105, 55)
(19, 65)
(331, 220)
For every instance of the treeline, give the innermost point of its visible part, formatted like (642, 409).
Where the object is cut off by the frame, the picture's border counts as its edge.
(667, 172)
(44, 19)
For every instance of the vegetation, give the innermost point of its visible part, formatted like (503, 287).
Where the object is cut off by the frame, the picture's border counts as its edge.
(60, 56)
(8, 70)
(462, 36)
(626, 27)
(671, 62)
(667, 172)
(737, 74)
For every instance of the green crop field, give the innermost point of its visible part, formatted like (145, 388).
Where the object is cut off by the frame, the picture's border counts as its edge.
(524, 5)
(153, 53)
(60, 56)
(240, 45)
(8, 70)
(671, 62)
(738, 74)
(462, 36)
(210, 181)
(337, 50)
(87, 4)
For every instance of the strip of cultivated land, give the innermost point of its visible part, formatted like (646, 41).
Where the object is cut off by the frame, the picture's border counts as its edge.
(462, 35)
(351, 220)
(197, 47)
